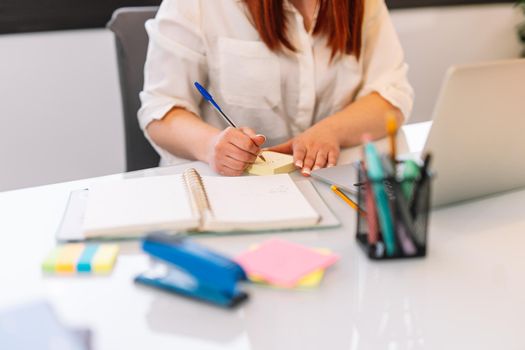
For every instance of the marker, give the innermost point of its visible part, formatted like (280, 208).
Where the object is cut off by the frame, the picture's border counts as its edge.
(376, 176)
(208, 97)
(348, 200)
(419, 185)
(371, 210)
(411, 174)
(404, 224)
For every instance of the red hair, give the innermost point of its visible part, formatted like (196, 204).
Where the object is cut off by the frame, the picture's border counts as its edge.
(340, 21)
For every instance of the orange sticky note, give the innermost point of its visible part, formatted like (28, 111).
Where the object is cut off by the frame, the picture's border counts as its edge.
(66, 261)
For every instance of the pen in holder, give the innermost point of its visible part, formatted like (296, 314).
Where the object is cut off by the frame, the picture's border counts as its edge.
(407, 203)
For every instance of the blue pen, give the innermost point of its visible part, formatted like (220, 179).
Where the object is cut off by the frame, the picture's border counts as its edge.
(208, 97)
(376, 176)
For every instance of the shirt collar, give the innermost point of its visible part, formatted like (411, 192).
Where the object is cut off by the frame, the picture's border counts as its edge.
(288, 6)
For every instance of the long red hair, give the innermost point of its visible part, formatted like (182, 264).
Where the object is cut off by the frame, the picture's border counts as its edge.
(340, 21)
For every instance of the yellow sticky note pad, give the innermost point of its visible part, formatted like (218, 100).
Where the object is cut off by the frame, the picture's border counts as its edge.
(104, 258)
(276, 163)
(309, 281)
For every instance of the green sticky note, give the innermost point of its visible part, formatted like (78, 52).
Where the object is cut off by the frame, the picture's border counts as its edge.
(49, 264)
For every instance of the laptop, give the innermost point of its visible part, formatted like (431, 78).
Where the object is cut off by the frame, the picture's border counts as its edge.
(477, 137)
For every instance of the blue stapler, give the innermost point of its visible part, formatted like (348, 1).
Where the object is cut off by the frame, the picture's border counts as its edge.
(187, 268)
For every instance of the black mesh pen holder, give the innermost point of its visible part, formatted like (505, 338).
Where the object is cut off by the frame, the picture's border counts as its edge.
(409, 211)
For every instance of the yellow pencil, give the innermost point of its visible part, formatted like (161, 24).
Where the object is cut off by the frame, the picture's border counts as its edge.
(391, 129)
(348, 200)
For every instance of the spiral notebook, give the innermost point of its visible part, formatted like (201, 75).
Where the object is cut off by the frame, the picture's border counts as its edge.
(190, 202)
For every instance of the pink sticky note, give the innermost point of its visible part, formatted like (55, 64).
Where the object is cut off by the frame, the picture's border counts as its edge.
(283, 263)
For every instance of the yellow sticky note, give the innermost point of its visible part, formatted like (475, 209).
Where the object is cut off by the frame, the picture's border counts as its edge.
(68, 255)
(104, 258)
(309, 281)
(276, 163)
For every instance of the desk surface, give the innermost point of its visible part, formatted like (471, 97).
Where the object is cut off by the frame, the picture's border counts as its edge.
(468, 293)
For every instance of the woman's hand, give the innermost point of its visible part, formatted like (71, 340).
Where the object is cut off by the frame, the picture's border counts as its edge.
(232, 150)
(317, 147)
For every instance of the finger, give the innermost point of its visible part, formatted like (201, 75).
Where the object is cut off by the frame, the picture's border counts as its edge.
(299, 152)
(332, 158)
(285, 147)
(234, 164)
(248, 131)
(244, 142)
(238, 154)
(258, 139)
(227, 171)
(309, 161)
(320, 159)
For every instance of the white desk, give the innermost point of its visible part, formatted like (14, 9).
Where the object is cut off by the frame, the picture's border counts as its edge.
(468, 293)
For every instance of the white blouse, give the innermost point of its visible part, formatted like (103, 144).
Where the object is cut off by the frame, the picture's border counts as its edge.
(277, 94)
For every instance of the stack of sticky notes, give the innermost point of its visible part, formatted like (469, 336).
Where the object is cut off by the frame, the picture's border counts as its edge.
(81, 258)
(275, 163)
(285, 264)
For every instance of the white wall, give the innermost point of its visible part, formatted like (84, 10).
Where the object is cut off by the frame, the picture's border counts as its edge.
(436, 38)
(60, 113)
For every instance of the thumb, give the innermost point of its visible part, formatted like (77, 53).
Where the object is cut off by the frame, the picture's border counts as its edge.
(285, 147)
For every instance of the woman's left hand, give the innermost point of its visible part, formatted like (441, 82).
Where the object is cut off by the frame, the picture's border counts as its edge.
(317, 147)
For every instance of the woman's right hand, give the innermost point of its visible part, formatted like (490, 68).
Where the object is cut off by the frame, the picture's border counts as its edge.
(232, 150)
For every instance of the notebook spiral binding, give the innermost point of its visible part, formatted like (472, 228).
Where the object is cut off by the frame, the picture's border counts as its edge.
(197, 193)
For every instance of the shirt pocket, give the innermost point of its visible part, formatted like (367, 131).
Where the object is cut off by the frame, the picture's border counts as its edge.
(348, 82)
(249, 73)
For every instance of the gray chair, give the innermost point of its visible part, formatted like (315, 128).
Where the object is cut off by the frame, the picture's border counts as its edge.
(127, 24)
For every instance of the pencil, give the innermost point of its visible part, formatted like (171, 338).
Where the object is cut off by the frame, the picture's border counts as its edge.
(348, 200)
(391, 129)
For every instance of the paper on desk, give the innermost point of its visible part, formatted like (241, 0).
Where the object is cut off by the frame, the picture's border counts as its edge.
(283, 263)
(275, 163)
(311, 280)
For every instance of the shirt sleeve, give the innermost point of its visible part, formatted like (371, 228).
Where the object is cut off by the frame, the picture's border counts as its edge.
(384, 66)
(175, 59)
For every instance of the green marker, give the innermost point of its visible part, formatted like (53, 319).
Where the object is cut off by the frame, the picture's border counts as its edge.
(411, 173)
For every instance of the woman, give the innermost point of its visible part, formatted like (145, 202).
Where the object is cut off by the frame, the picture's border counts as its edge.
(310, 75)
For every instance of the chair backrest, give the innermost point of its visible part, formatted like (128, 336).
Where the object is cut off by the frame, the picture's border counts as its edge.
(131, 40)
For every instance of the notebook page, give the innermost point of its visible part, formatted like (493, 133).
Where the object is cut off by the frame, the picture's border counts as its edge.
(135, 206)
(257, 203)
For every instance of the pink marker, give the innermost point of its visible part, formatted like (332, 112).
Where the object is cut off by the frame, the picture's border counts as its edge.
(370, 205)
